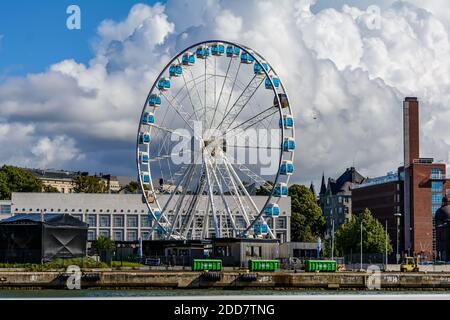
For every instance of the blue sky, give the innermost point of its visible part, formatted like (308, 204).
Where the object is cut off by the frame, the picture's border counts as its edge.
(345, 79)
(34, 33)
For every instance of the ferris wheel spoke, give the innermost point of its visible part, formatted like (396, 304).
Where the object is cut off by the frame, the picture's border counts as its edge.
(227, 208)
(258, 212)
(255, 120)
(211, 197)
(232, 89)
(221, 91)
(181, 113)
(164, 209)
(228, 180)
(241, 101)
(180, 202)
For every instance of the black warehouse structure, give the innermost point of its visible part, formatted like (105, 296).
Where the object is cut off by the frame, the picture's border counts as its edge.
(35, 238)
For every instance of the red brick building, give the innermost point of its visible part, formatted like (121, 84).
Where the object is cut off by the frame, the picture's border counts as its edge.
(416, 193)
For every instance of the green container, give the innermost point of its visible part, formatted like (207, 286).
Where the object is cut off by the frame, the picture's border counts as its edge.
(207, 265)
(263, 265)
(320, 265)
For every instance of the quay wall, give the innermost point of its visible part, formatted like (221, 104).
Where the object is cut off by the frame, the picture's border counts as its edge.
(145, 279)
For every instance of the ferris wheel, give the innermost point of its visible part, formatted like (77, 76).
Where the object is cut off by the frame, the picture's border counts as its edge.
(216, 130)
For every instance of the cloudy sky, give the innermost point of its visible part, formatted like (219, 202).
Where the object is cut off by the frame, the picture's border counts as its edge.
(72, 98)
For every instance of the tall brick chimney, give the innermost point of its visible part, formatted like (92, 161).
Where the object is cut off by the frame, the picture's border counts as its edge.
(410, 130)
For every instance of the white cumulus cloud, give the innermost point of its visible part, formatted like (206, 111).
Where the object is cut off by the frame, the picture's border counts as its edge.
(346, 82)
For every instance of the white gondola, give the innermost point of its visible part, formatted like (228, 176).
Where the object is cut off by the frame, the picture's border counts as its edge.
(287, 168)
(288, 144)
(283, 100)
(259, 68)
(154, 100)
(148, 118)
(217, 49)
(233, 52)
(175, 70)
(202, 52)
(272, 210)
(247, 58)
(188, 59)
(268, 83)
(281, 190)
(287, 122)
(143, 157)
(145, 178)
(164, 84)
(144, 138)
(261, 228)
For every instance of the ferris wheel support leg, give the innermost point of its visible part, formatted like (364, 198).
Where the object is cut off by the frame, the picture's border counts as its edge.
(227, 208)
(211, 198)
(236, 193)
(181, 201)
(163, 210)
(246, 193)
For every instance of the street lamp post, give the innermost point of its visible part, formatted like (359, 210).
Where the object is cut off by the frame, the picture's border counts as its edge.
(386, 244)
(332, 239)
(397, 215)
(361, 251)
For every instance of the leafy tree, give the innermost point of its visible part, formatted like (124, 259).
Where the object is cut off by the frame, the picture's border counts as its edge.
(49, 189)
(13, 179)
(89, 184)
(104, 243)
(131, 187)
(348, 236)
(307, 220)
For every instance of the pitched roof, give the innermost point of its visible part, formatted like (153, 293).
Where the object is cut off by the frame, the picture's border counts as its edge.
(344, 184)
(49, 219)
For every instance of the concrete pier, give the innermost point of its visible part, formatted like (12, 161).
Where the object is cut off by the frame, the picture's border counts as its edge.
(170, 279)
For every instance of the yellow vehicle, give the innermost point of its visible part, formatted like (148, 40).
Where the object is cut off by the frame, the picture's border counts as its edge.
(410, 264)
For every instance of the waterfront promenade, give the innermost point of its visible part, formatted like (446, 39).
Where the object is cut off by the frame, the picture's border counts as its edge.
(135, 279)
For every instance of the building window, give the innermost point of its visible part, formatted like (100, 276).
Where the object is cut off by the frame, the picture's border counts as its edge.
(436, 198)
(91, 235)
(104, 233)
(105, 221)
(253, 251)
(436, 173)
(340, 199)
(92, 220)
(5, 209)
(131, 235)
(132, 221)
(437, 186)
(145, 221)
(118, 221)
(118, 235)
(281, 223)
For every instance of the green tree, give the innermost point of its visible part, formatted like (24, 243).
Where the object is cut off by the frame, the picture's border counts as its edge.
(348, 236)
(307, 220)
(104, 243)
(89, 184)
(13, 179)
(49, 189)
(131, 187)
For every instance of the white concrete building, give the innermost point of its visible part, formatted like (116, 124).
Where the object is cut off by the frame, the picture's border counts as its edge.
(124, 217)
